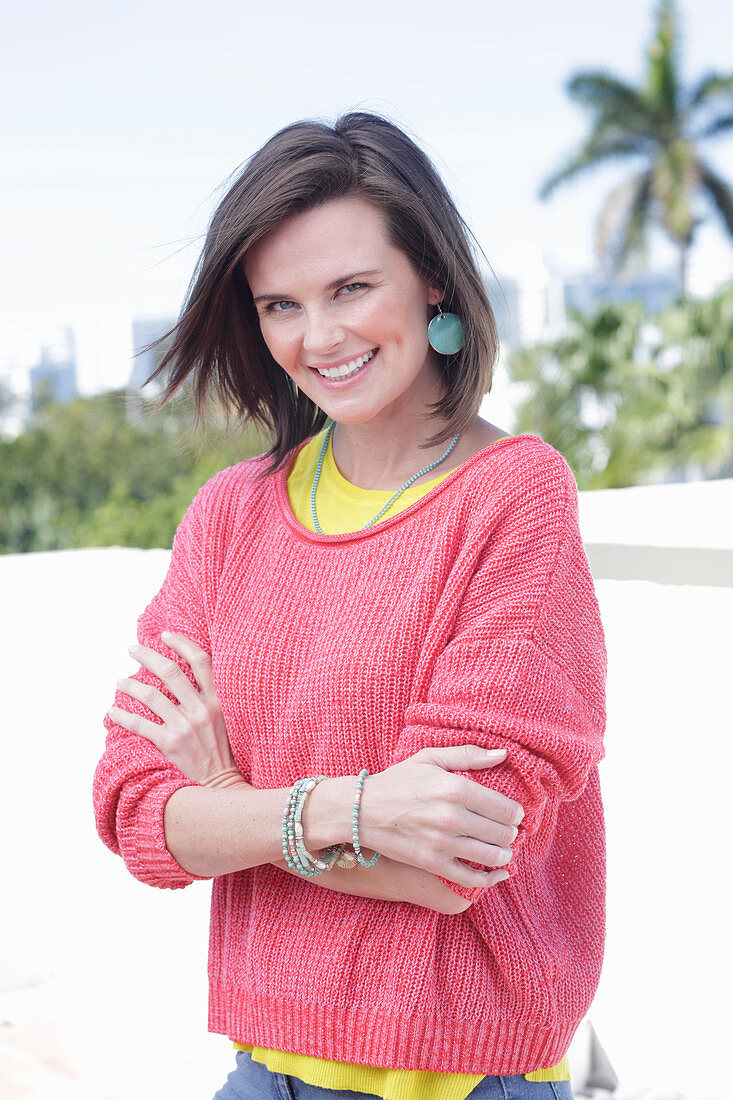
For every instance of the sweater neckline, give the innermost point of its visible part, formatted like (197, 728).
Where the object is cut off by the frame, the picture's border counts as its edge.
(306, 535)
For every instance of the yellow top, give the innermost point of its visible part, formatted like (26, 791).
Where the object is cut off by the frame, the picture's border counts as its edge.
(345, 507)
(341, 505)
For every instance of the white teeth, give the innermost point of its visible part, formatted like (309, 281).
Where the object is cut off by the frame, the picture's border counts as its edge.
(347, 368)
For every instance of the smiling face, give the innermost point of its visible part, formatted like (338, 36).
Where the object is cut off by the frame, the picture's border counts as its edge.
(344, 313)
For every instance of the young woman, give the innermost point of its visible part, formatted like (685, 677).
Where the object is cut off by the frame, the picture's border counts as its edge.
(394, 603)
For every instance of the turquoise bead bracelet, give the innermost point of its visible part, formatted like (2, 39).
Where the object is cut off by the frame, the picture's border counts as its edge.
(297, 855)
(355, 823)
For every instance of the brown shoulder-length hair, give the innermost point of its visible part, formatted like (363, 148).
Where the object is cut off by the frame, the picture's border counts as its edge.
(216, 343)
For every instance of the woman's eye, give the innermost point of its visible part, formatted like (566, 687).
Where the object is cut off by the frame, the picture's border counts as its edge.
(352, 287)
(275, 307)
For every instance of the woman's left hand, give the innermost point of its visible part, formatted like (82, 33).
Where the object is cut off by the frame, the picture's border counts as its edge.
(192, 733)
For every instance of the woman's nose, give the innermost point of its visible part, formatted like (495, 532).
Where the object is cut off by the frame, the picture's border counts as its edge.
(321, 333)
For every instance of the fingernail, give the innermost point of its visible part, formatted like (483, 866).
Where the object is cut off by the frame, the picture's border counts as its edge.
(165, 635)
(495, 752)
(519, 816)
(502, 876)
(134, 649)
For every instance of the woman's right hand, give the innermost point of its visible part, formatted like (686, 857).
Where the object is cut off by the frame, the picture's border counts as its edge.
(192, 732)
(419, 812)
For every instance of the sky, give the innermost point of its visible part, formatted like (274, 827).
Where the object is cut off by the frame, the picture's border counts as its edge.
(121, 124)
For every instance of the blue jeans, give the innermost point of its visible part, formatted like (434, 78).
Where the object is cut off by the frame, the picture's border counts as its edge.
(253, 1081)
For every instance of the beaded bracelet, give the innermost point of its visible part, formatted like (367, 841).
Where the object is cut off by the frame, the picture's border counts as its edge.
(298, 860)
(355, 822)
(290, 847)
(296, 854)
(326, 857)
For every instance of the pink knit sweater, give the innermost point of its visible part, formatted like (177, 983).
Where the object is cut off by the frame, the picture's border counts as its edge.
(470, 617)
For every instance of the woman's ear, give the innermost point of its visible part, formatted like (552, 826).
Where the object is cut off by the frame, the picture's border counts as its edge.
(435, 295)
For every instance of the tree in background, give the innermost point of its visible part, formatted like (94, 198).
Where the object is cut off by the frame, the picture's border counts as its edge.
(91, 474)
(661, 125)
(628, 399)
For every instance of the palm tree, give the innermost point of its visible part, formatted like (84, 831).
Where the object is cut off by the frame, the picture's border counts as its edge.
(661, 125)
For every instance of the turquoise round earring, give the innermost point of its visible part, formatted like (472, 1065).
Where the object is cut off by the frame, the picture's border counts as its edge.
(445, 332)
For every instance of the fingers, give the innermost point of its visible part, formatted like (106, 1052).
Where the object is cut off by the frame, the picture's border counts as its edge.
(491, 804)
(485, 830)
(198, 660)
(151, 731)
(482, 800)
(488, 855)
(167, 671)
(149, 695)
(492, 877)
(461, 758)
(485, 800)
(462, 835)
(466, 876)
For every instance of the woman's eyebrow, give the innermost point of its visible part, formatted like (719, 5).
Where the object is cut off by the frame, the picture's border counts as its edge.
(343, 279)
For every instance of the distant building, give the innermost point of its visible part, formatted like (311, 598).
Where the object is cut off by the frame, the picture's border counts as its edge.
(53, 378)
(654, 289)
(38, 363)
(144, 332)
(528, 300)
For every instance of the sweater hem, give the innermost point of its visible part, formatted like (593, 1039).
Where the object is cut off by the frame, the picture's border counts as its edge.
(344, 1032)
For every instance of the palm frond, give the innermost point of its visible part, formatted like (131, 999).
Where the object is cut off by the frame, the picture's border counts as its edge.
(633, 235)
(718, 125)
(607, 95)
(600, 89)
(615, 125)
(661, 122)
(720, 193)
(619, 230)
(595, 152)
(709, 87)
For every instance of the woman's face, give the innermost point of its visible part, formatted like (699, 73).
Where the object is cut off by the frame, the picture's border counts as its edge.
(343, 312)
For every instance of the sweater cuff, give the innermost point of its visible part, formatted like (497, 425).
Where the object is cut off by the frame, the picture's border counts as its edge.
(470, 893)
(146, 855)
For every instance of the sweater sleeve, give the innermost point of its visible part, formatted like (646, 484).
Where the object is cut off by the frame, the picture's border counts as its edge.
(133, 780)
(524, 667)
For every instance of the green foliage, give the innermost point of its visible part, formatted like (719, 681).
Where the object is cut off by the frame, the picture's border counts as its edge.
(107, 471)
(627, 398)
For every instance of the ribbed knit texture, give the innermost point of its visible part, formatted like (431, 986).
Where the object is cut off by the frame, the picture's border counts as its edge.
(468, 617)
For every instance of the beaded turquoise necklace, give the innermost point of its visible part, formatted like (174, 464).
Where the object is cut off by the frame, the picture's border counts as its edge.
(392, 499)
